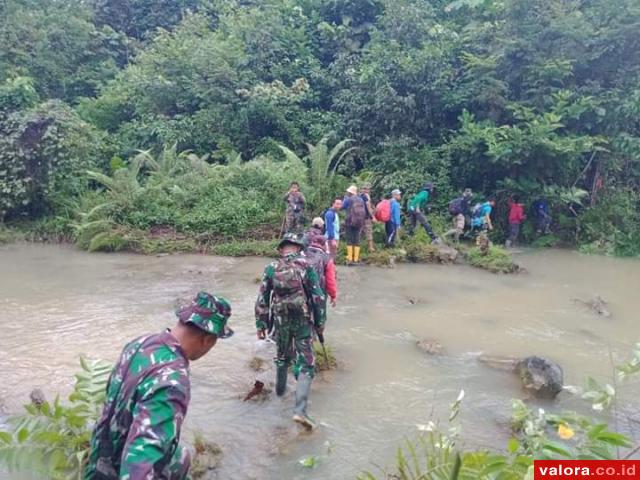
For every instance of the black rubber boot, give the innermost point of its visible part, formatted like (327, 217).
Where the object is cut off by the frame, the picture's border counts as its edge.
(282, 372)
(302, 397)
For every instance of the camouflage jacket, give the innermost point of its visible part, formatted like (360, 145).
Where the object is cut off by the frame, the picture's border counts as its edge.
(311, 294)
(147, 398)
(295, 202)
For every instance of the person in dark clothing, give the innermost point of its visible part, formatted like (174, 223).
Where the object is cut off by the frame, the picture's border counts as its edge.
(356, 215)
(542, 215)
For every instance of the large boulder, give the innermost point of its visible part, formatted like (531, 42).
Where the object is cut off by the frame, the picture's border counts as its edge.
(541, 377)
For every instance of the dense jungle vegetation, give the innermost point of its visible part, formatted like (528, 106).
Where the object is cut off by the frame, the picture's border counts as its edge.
(121, 116)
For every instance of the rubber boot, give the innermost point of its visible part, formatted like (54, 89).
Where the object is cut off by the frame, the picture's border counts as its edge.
(281, 379)
(349, 254)
(302, 397)
(356, 255)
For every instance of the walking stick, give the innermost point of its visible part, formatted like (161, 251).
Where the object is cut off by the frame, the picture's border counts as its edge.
(324, 350)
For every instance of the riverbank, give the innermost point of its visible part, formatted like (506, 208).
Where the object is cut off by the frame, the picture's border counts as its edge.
(165, 241)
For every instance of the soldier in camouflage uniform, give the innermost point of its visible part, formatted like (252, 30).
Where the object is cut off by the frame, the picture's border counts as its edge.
(293, 304)
(294, 215)
(148, 394)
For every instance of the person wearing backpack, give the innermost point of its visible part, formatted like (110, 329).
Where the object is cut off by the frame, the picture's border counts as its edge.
(294, 214)
(324, 266)
(459, 209)
(354, 223)
(542, 216)
(392, 225)
(332, 227)
(292, 304)
(315, 234)
(417, 206)
(481, 216)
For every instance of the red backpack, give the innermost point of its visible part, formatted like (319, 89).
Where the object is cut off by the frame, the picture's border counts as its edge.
(383, 211)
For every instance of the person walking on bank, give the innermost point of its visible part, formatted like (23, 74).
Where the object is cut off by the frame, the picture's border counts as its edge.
(148, 393)
(294, 214)
(356, 215)
(332, 227)
(459, 209)
(370, 218)
(292, 303)
(516, 217)
(392, 226)
(417, 207)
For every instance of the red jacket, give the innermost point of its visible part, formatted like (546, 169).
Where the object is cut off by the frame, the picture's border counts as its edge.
(330, 280)
(516, 212)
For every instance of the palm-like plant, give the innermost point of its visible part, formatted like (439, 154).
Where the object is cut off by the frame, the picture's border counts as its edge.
(321, 164)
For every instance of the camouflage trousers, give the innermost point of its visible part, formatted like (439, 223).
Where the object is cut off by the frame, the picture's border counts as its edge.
(294, 340)
(180, 464)
(367, 230)
(294, 222)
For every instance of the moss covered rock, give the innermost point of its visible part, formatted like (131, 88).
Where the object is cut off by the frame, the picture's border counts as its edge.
(494, 259)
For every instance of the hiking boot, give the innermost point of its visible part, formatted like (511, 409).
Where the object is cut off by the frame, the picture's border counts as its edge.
(305, 420)
(302, 397)
(281, 379)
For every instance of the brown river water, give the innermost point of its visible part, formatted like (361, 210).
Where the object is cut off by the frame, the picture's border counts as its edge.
(57, 303)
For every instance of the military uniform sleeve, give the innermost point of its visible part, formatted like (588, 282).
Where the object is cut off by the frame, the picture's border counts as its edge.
(155, 431)
(263, 301)
(302, 199)
(318, 299)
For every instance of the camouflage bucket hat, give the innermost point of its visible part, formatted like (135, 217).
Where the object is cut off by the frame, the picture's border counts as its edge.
(292, 239)
(208, 313)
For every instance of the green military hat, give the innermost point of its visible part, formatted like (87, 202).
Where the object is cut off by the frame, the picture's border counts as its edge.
(292, 239)
(208, 313)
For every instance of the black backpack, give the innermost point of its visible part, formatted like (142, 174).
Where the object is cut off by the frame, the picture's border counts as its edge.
(357, 213)
(456, 207)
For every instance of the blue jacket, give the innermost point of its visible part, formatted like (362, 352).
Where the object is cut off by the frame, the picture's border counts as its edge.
(395, 212)
(332, 225)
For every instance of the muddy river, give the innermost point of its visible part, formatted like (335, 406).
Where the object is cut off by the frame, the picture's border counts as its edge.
(57, 303)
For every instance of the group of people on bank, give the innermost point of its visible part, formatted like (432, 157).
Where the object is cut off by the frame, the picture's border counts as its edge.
(360, 214)
(148, 393)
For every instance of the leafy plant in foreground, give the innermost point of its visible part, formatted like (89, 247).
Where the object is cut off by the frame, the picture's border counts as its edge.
(52, 439)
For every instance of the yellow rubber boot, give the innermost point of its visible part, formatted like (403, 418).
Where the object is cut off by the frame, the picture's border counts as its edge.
(356, 254)
(349, 254)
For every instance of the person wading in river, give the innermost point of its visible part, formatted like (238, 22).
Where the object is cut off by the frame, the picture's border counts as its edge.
(323, 264)
(148, 394)
(291, 302)
(294, 215)
(315, 235)
(354, 223)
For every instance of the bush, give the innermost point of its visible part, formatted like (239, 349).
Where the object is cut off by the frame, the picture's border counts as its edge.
(251, 248)
(496, 260)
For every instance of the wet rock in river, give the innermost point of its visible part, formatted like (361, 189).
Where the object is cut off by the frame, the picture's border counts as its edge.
(37, 397)
(206, 459)
(430, 346)
(597, 304)
(541, 377)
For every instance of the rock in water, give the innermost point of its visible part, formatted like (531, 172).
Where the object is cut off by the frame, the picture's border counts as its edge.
(508, 364)
(37, 397)
(541, 377)
(430, 347)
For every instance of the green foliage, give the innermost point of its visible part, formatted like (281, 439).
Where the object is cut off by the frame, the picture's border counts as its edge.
(250, 248)
(496, 260)
(52, 439)
(44, 153)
